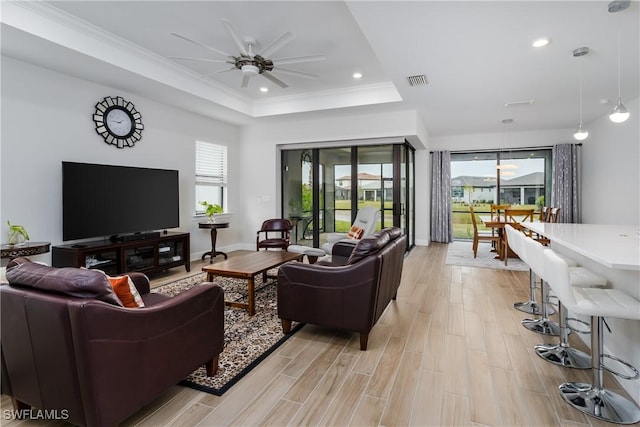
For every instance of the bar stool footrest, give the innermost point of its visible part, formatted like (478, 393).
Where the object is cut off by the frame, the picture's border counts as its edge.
(624, 363)
(574, 329)
(600, 403)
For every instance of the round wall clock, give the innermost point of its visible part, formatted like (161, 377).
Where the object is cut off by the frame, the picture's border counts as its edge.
(118, 122)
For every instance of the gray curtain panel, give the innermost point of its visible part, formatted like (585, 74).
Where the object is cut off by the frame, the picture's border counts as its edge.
(564, 182)
(441, 220)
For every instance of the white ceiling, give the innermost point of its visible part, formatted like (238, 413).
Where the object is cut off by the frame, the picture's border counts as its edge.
(476, 55)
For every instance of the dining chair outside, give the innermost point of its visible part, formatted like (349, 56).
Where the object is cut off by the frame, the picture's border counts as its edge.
(478, 236)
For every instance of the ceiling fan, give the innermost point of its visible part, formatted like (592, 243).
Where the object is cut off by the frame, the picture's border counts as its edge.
(253, 64)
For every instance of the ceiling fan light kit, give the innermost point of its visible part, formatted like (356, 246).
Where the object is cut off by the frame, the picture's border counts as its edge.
(251, 64)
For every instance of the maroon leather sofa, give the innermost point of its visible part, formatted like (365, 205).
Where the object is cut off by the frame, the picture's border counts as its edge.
(68, 347)
(351, 291)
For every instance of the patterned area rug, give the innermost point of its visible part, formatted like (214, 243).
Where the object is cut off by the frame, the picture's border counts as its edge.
(247, 340)
(460, 253)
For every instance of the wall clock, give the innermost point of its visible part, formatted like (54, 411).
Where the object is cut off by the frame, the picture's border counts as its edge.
(118, 122)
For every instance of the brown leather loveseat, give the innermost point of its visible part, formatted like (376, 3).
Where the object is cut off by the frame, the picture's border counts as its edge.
(69, 348)
(352, 292)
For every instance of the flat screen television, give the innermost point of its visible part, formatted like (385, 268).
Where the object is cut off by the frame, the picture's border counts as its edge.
(108, 201)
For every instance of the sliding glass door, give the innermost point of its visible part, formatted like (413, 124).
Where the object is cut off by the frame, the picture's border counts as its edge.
(323, 189)
(519, 178)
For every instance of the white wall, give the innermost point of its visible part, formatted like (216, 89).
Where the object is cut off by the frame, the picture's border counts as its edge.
(260, 178)
(483, 141)
(611, 170)
(47, 118)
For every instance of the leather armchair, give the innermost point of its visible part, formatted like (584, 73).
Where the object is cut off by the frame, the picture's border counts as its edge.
(352, 296)
(279, 227)
(98, 361)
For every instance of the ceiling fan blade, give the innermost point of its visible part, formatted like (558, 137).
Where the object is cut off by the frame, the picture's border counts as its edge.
(274, 79)
(234, 37)
(295, 73)
(298, 59)
(220, 71)
(276, 45)
(200, 59)
(245, 81)
(213, 49)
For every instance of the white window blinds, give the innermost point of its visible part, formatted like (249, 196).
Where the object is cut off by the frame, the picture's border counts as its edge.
(211, 164)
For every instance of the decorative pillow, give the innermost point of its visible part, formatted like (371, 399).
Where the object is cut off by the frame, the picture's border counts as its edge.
(125, 289)
(355, 233)
(76, 282)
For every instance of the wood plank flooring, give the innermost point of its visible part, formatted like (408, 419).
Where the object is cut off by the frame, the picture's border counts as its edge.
(449, 352)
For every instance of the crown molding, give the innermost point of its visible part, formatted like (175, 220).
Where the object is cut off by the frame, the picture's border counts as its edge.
(355, 96)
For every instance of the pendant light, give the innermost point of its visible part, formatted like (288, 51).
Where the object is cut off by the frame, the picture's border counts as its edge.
(619, 113)
(580, 134)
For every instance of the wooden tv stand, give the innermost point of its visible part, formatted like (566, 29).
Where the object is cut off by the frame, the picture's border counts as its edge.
(149, 255)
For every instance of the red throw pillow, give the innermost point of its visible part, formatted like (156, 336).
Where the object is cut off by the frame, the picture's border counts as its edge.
(126, 291)
(355, 233)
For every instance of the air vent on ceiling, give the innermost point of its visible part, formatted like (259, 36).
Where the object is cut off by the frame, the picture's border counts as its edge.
(418, 80)
(517, 103)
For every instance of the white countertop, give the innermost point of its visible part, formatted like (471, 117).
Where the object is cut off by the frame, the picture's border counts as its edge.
(614, 246)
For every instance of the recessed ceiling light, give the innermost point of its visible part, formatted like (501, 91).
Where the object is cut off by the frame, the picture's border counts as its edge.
(264, 89)
(357, 75)
(543, 41)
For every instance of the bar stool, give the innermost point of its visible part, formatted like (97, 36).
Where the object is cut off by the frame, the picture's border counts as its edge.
(535, 260)
(562, 353)
(515, 241)
(593, 399)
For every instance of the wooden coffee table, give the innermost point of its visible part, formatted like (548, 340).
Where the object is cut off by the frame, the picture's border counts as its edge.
(248, 266)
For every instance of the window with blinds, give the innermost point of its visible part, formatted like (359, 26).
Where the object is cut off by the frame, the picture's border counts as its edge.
(211, 174)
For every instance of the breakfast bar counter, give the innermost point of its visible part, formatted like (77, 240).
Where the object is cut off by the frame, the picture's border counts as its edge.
(614, 246)
(613, 252)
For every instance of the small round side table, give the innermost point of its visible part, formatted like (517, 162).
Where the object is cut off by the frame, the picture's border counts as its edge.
(214, 235)
(24, 249)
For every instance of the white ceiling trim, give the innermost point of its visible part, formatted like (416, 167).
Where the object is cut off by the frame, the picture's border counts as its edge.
(380, 93)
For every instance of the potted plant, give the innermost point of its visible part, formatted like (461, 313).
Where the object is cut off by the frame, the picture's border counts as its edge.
(17, 234)
(210, 210)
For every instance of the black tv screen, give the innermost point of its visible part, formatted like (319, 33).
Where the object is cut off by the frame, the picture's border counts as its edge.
(104, 200)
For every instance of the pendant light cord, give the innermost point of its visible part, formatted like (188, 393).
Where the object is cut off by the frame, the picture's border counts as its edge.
(619, 62)
(580, 88)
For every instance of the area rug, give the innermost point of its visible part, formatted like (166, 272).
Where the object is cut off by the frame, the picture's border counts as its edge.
(247, 339)
(460, 253)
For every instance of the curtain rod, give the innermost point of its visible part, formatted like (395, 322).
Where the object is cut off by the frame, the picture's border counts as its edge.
(488, 150)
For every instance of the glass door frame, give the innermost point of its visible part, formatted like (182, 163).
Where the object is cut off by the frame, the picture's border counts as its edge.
(406, 193)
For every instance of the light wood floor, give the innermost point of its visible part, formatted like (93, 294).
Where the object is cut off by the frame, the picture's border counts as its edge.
(450, 351)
